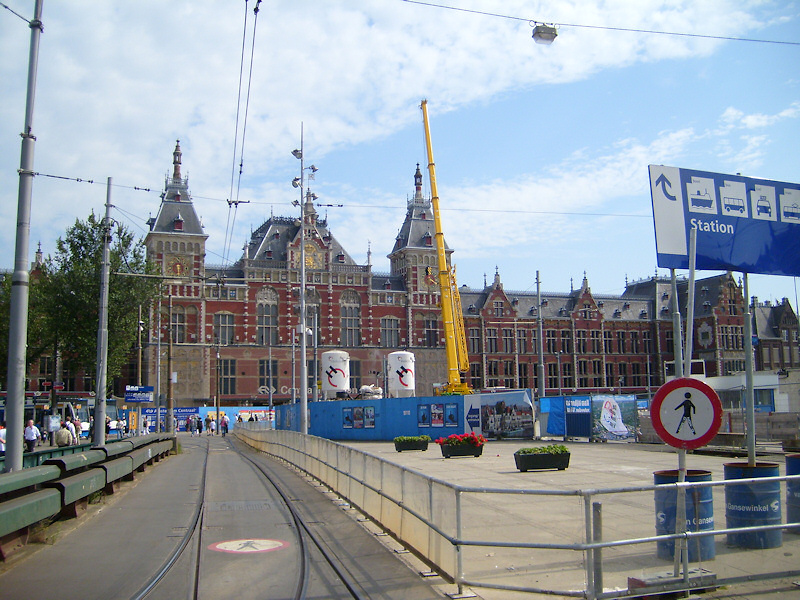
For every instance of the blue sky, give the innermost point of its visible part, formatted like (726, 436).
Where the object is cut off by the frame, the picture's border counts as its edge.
(541, 151)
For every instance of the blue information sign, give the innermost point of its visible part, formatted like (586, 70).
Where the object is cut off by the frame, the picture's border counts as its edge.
(743, 224)
(138, 393)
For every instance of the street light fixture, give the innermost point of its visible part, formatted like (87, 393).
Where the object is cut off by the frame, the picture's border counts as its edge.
(544, 34)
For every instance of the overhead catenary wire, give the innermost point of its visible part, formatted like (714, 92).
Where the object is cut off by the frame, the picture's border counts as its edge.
(234, 201)
(603, 27)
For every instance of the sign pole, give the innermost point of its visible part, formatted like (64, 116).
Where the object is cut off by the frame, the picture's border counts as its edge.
(750, 409)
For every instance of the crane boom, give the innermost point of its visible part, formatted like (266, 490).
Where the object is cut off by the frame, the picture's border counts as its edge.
(454, 337)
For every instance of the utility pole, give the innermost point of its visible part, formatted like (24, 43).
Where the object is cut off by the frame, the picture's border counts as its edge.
(102, 330)
(20, 280)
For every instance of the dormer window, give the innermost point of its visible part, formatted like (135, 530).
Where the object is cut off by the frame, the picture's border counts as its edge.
(178, 197)
(544, 301)
(428, 239)
(617, 313)
(423, 216)
(707, 305)
(643, 313)
(664, 310)
(269, 253)
(387, 285)
(533, 310)
(601, 304)
(177, 224)
(276, 236)
(340, 257)
(471, 308)
(626, 306)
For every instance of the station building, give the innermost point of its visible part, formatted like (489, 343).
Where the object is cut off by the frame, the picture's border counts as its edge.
(234, 327)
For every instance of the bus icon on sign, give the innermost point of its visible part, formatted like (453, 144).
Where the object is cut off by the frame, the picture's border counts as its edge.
(732, 204)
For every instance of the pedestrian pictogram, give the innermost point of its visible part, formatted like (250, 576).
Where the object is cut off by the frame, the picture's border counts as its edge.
(686, 413)
(248, 546)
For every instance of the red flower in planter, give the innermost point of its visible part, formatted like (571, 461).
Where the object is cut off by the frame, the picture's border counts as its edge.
(462, 439)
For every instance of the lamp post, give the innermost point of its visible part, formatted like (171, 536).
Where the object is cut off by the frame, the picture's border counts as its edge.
(299, 182)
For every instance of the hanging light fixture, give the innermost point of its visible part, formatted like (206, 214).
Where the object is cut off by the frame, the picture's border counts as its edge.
(544, 34)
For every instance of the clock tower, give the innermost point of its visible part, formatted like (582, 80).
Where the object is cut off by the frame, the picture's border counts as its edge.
(176, 241)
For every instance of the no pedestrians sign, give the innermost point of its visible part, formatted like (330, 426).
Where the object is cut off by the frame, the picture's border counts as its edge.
(686, 413)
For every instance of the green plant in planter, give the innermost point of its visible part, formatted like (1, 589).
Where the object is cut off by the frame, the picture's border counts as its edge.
(411, 442)
(554, 456)
(551, 449)
(412, 438)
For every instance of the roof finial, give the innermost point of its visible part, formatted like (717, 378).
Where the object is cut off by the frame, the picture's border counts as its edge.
(176, 161)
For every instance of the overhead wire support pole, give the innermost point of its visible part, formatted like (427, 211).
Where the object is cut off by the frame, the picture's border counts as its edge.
(20, 280)
(301, 327)
(99, 437)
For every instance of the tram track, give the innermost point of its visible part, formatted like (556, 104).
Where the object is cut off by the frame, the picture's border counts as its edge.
(316, 566)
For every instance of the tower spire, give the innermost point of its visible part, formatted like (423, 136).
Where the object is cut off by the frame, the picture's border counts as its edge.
(176, 161)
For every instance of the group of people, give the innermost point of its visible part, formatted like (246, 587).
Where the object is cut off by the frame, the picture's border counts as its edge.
(68, 434)
(195, 425)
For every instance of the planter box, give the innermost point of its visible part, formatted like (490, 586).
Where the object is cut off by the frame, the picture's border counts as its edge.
(527, 462)
(465, 450)
(415, 445)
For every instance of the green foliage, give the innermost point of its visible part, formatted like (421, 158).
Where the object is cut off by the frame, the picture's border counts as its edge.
(412, 438)
(551, 449)
(39, 339)
(70, 285)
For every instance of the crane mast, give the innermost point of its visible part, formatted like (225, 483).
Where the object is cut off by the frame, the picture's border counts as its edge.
(454, 337)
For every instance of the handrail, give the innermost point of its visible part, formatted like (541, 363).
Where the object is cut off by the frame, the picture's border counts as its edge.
(340, 468)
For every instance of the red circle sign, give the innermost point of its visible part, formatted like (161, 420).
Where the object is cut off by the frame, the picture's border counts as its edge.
(686, 413)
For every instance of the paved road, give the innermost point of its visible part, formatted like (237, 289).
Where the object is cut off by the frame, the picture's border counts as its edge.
(110, 553)
(606, 465)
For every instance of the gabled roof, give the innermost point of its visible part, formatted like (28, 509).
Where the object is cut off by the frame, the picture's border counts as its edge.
(176, 215)
(418, 229)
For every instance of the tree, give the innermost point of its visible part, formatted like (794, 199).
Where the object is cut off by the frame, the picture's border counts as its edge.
(39, 340)
(70, 284)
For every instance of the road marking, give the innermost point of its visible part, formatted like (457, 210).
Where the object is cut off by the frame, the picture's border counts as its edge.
(248, 546)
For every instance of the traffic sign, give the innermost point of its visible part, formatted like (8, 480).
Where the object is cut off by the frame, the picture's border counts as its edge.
(743, 224)
(686, 413)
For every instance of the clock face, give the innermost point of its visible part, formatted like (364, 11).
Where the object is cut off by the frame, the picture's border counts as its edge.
(313, 257)
(177, 266)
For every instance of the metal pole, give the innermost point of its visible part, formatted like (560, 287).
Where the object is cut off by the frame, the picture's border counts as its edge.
(269, 380)
(219, 391)
(170, 378)
(750, 409)
(302, 327)
(138, 376)
(102, 330)
(540, 330)
(597, 536)
(18, 318)
(687, 356)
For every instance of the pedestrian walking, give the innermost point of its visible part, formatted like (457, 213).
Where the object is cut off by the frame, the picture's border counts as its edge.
(31, 435)
(63, 436)
(199, 426)
(2, 438)
(223, 424)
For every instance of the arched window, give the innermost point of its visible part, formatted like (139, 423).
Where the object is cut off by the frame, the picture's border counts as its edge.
(267, 317)
(351, 319)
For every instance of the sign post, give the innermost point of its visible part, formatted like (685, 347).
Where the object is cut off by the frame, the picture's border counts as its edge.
(686, 414)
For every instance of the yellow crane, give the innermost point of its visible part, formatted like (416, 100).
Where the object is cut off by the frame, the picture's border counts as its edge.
(454, 338)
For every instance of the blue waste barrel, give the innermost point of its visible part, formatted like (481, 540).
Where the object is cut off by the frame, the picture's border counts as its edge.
(753, 504)
(699, 514)
(793, 492)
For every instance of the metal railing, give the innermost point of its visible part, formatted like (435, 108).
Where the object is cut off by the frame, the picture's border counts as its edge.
(589, 543)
